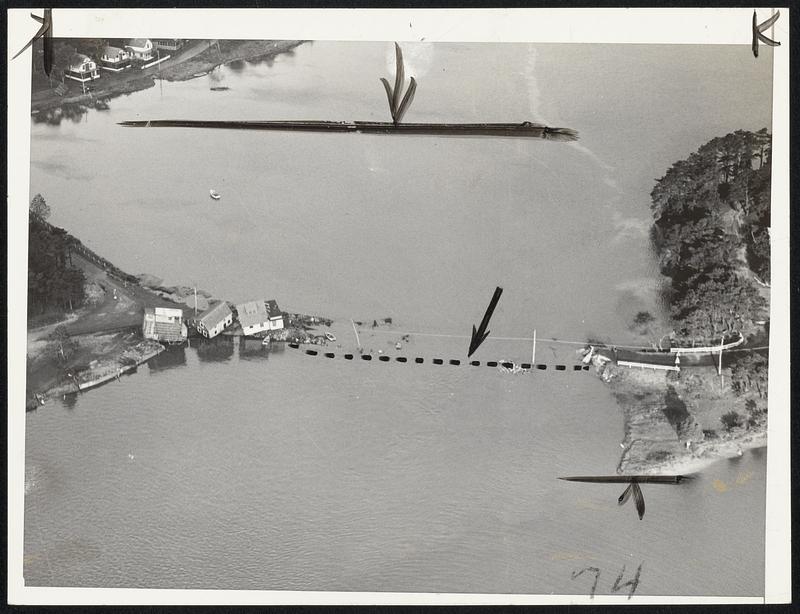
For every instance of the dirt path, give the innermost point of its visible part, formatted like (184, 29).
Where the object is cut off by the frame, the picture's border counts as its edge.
(122, 306)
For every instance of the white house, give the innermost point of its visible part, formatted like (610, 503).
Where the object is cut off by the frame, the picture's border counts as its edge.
(214, 320)
(115, 59)
(140, 49)
(81, 68)
(259, 316)
(164, 324)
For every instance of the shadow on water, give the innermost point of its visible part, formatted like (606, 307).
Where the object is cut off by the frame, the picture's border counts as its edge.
(219, 349)
(54, 117)
(252, 349)
(70, 400)
(172, 356)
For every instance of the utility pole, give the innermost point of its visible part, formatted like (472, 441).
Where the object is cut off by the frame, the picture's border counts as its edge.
(358, 341)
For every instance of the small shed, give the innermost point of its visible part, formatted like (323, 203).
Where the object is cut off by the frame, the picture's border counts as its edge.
(164, 324)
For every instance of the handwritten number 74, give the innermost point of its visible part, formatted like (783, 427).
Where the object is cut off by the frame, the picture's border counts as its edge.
(618, 583)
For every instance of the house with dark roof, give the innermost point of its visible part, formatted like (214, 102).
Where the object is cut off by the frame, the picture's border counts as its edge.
(259, 316)
(140, 50)
(115, 59)
(164, 324)
(214, 320)
(81, 68)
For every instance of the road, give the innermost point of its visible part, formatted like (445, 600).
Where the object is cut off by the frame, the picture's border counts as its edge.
(122, 306)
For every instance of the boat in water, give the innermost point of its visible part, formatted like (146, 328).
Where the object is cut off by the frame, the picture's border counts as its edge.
(330, 337)
(214, 194)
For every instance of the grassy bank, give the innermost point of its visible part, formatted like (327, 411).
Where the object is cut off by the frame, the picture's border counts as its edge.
(674, 421)
(227, 52)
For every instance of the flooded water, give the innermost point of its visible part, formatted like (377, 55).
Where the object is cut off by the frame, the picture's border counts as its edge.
(227, 467)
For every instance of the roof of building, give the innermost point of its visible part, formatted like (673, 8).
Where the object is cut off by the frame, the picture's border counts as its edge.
(273, 310)
(164, 311)
(214, 315)
(140, 43)
(110, 51)
(76, 59)
(164, 331)
(252, 312)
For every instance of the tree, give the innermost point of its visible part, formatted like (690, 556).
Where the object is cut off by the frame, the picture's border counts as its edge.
(750, 372)
(39, 208)
(731, 420)
(61, 344)
(52, 281)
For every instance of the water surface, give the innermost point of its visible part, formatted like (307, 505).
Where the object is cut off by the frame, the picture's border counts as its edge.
(228, 468)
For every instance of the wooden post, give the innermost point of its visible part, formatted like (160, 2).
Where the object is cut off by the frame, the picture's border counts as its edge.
(721, 343)
(533, 351)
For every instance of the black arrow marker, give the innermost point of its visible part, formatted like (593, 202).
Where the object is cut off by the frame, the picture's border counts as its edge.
(479, 335)
(46, 34)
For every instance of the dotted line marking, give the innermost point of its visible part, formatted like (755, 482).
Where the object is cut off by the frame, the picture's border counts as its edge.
(440, 361)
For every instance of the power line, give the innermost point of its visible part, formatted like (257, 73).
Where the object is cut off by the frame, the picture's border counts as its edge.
(549, 339)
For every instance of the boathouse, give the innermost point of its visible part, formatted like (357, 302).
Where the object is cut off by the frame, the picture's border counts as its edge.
(164, 324)
(214, 320)
(115, 59)
(259, 316)
(140, 50)
(81, 68)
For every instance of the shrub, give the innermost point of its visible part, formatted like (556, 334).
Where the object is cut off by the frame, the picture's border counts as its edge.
(731, 420)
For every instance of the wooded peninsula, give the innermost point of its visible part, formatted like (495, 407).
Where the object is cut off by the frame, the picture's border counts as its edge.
(711, 234)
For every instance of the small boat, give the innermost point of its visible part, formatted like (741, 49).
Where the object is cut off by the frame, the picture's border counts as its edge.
(266, 341)
(330, 337)
(214, 194)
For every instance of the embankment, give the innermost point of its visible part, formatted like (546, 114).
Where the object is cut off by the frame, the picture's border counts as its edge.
(672, 421)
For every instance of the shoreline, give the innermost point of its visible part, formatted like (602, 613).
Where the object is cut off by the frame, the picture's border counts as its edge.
(47, 106)
(673, 425)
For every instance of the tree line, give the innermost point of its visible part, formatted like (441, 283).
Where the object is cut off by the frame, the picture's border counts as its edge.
(53, 283)
(711, 233)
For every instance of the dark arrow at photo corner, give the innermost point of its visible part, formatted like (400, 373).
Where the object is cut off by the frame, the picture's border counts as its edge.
(46, 34)
(633, 482)
(758, 29)
(399, 102)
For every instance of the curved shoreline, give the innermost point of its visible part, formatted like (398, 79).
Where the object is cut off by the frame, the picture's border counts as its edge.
(672, 425)
(45, 103)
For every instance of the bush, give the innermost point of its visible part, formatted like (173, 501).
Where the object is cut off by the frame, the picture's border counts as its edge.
(731, 420)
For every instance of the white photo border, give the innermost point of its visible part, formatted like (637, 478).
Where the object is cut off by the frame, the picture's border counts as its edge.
(573, 25)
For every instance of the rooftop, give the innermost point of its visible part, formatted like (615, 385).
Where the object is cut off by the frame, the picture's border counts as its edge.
(141, 43)
(76, 59)
(214, 315)
(252, 312)
(111, 52)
